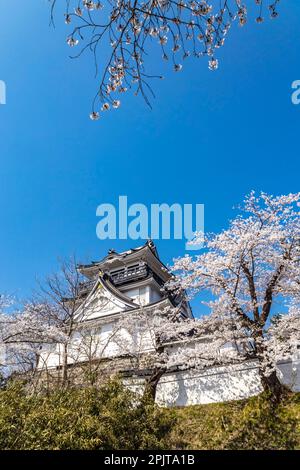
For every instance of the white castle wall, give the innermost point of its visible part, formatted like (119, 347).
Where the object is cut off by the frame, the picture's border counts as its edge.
(215, 385)
(193, 387)
(289, 374)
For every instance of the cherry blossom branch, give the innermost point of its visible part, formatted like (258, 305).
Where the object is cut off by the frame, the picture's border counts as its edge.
(129, 27)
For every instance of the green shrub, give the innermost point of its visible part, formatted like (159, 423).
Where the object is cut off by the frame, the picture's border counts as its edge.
(253, 424)
(110, 417)
(264, 426)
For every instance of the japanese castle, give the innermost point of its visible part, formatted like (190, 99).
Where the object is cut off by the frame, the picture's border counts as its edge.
(124, 283)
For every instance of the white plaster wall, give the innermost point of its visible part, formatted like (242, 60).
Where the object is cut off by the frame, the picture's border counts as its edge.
(289, 373)
(102, 343)
(140, 295)
(143, 295)
(48, 360)
(192, 387)
(215, 385)
(155, 295)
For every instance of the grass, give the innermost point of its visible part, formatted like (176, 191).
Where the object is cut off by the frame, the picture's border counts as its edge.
(248, 424)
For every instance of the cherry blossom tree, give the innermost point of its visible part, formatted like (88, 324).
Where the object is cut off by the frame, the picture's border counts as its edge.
(61, 294)
(29, 334)
(252, 271)
(120, 35)
(163, 341)
(5, 303)
(88, 353)
(24, 332)
(282, 339)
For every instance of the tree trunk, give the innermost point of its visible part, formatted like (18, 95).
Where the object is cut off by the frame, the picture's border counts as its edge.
(152, 382)
(65, 365)
(272, 385)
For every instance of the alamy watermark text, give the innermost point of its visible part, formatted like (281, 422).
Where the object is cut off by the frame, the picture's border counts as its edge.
(162, 221)
(2, 92)
(296, 93)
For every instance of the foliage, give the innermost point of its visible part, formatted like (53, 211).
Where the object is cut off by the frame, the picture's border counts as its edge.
(109, 417)
(253, 424)
(264, 426)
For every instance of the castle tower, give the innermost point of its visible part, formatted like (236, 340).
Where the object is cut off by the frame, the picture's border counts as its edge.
(138, 274)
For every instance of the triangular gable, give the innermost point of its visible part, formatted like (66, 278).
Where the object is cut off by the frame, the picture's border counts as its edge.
(103, 300)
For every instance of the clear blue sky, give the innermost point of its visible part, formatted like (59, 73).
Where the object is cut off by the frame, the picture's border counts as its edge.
(210, 138)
